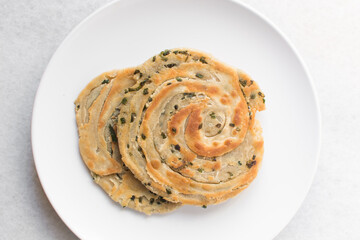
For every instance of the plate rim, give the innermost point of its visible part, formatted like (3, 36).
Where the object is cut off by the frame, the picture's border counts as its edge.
(248, 8)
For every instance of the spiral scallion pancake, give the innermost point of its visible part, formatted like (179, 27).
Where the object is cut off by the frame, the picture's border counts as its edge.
(187, 128)
(97, 108)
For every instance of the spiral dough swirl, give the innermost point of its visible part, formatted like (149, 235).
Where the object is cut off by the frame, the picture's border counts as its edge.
(187, 128)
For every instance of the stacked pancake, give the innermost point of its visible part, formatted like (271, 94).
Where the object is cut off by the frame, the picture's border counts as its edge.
(178, 129)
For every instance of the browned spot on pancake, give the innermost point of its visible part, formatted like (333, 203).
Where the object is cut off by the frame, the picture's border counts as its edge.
(199, 146)
(227, 142)
(188, 155)
(258, 145)
(175, 162)
(213, 90)
(177, 119)
(195, 143)
(208, 164)
(225, 101)
(90, 164)
(179, 182)
(155, 164)
(194, 121)
(215, 144)
(237, 116)
(206, 187)
(217, 165)
(187, 172)
(233, 93)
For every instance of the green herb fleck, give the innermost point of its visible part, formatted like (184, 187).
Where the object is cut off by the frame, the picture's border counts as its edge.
(199, 75)
(122, 120)
(261, 94)
(185, 52)
(200, 126)
(163, 135)
(150, 99)
(230, 173)
(165, 52)
(143, 136)
(106, 81)
(232, 125)
(152, 200)
(154, 58)
(176, 107)
(137, 71)
(238, 129)
(200, 170)
(212, 115)
(145, 91)
(239, 163)
(168, 191)
(218, 125)
(252, 96)
(204, 206)
(202, 59)
(170, 65)
(140, 199)
(124, 100)
(250, 163)
(138, 87)
(263, 100)
(177, 147)
(191, 163)
(173, 130)
(243, 82)
(113, 134)
(178, 79)
(132, 198)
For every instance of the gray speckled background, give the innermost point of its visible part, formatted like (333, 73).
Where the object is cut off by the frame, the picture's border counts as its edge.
(327, 35)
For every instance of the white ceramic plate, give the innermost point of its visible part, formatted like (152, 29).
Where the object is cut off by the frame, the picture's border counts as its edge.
(125, 33)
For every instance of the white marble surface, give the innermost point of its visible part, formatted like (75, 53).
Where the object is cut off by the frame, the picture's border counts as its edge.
(327, 35)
